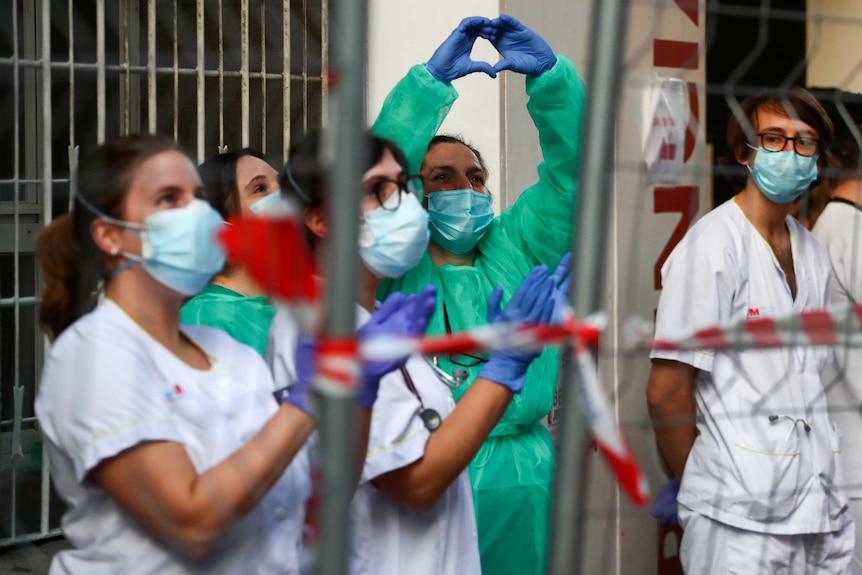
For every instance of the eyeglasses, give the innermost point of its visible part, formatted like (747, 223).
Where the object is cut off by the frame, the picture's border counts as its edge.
(467, 359)
(777, 142)
(387, 193)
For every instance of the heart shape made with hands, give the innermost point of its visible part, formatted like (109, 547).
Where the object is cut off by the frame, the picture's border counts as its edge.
(522, 50)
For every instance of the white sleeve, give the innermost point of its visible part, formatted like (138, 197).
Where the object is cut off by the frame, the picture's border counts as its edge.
(281, 348)
(398, 435)
(101, 395)
(697, 292)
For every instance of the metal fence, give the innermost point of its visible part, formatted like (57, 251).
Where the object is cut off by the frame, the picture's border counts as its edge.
(212, 74)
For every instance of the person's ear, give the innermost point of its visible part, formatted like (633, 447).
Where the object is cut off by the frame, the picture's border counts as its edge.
(316, 222)
(106, 236)
(745, 155)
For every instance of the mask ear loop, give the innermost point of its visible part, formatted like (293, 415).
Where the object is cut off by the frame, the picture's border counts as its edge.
(299, 191)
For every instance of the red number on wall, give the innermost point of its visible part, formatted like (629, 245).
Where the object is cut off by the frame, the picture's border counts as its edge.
(677, 199)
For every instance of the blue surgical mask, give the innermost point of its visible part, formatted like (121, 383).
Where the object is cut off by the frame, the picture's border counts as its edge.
(392, 242)
(178, 246)
(270, 204)
(459, 218)
(783, 176)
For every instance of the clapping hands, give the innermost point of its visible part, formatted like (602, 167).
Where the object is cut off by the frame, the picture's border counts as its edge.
(523, 50)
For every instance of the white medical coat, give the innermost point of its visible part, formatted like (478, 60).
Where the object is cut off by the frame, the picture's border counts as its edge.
(839, 229)
(108, 386)
(388, 539)
(745, 469)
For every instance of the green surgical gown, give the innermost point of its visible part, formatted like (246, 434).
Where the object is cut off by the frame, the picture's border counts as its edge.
(245, 318)
(513, 471)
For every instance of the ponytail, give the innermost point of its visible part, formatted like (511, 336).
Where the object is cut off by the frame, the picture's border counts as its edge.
(64, 270)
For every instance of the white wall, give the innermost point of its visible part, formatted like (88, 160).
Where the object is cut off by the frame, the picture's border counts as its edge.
(403, 33)
(833, 29)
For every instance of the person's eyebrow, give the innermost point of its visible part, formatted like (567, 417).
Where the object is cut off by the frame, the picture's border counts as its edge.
(255, 179)
(778, 130)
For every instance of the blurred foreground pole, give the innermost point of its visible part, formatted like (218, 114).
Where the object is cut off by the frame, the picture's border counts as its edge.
(595, 186)
(345, 154)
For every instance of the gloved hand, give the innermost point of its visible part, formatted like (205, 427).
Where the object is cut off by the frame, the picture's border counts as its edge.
(531, 304)
(523, 50)
(452, 59)
(402, 316)
(561, 280)
(664, 508)
(299, 394)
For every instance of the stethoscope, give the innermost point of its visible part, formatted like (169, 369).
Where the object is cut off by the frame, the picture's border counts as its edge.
(430, 418)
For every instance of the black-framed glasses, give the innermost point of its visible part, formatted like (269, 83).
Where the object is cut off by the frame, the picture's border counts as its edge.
(466, 359)
(387, 193)
(802, 145)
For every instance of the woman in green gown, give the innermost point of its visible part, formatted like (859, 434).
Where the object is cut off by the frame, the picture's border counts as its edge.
(236, 184)
(471, 252)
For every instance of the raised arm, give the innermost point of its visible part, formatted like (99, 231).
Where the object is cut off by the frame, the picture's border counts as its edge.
(416, 107)
(541, 219)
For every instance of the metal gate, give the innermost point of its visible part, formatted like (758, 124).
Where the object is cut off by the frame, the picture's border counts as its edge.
(212, 74)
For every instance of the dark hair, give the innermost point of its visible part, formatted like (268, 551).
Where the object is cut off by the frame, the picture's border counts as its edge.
(304, 175)
(804, 106)
(71, 262)
(218, 175)
(453, 139)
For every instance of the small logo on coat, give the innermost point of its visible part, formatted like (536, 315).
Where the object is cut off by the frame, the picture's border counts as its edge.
(757, 312)
(174, 393)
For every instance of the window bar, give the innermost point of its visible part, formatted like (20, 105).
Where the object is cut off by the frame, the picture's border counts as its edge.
(126, 83)
(176, 77)
(324, 62)
(201, 63)
(304, 66)
(222, 148)
(151, 66)
(285, 80)
(263, 79)
(73, 149)
(244, 93)
(100, 71)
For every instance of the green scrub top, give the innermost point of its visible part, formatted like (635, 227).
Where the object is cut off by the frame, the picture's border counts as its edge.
(245, 318)
(513, 471)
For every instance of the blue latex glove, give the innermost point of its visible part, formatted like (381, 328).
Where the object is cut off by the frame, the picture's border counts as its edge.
(523, 50)
(561, 280)
(299, 394)
(664, 508)
(402, 316)
(452, 59)
(531, 304)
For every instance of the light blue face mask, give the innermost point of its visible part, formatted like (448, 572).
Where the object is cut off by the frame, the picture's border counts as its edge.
(392, 242)
(270, 204)
(459, 218)
(178, 246)
(783, 176)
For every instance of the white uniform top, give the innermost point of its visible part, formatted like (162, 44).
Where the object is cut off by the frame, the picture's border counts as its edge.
(745, 469)
(108, 386)
(839, 228)
(388, 539)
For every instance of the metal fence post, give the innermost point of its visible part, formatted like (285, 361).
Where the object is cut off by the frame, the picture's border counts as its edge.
(588, 249)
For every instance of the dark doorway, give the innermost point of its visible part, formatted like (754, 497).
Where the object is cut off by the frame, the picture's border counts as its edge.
(754, 45)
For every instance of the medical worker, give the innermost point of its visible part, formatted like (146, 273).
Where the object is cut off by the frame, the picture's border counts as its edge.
(838, 227)
(761, 485)
(167, 443)
(472, 251)
(237, 184)
(413, 511)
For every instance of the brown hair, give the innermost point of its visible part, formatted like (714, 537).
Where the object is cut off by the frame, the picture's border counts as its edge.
(218, 175)
(71, 262)
(453, 139)
(781, 101)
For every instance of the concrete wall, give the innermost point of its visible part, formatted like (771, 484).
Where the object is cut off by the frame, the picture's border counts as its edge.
(833, 29)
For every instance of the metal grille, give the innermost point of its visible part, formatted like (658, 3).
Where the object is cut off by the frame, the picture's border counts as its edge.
(212, 74)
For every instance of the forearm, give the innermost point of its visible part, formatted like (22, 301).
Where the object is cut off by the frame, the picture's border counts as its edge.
(670, 398)
(449, 449)
(363, 428)
(413, 112)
